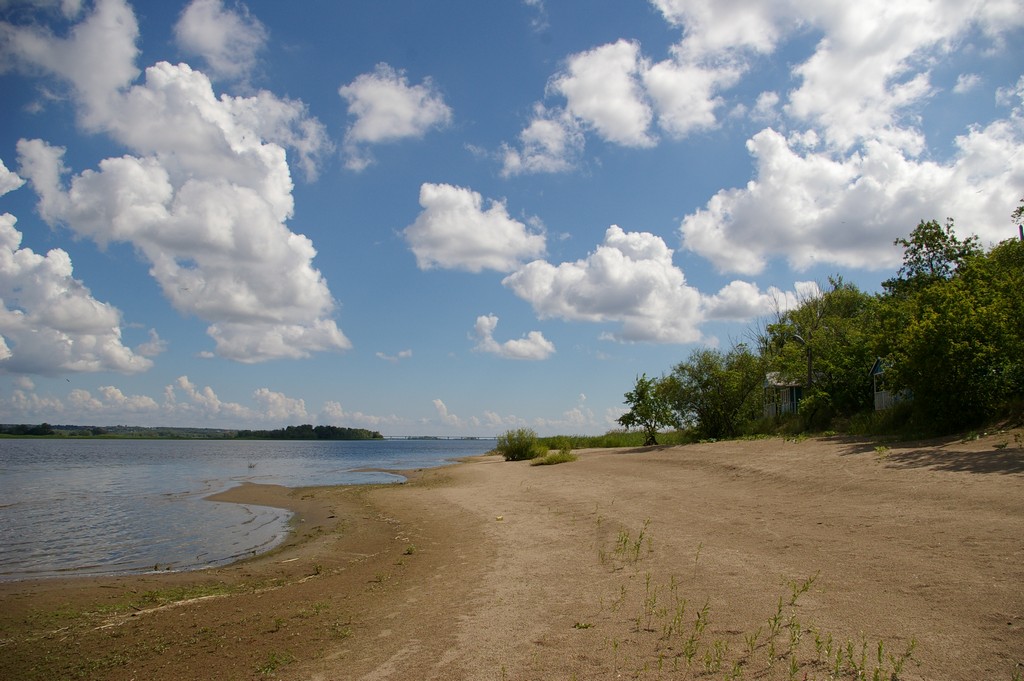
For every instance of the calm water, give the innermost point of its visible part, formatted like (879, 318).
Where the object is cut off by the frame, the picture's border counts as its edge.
(79, 507)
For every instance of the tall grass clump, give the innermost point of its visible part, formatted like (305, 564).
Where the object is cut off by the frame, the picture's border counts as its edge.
(520, 445)
(617, 438)
(563, 455)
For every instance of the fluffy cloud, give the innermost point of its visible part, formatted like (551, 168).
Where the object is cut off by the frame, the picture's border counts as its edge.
(454, 231)
(743, 301)
(9, 181)
(275, 406)
(811, 207)
(685, 93)
(206, 207)
(446, 417)
(203, 404)
(617, 93)
(227, 40)
(51, 323)
(629, 279)
(333, 414)
(135, 404)
(532, 346)
(205, 196)
(846, 168)
(551, 143)
(602, 88)
(966, 82)
(97, 58)
(386, 109)
(845, 202)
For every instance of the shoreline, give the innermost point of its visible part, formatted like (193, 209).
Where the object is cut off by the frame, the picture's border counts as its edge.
(489, 569)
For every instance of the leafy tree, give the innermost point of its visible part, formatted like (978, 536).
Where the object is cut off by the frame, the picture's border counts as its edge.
(957, 341)
(826, 343)
(932, 253)
(648, 409)
(716, 393)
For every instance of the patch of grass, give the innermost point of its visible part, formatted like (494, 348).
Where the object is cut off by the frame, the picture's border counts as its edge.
(614, 439)
(669, 635)
(554, 458)
(275, 661)
(159, 597)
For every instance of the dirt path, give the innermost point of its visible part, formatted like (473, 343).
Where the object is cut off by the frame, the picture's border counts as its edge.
(758, 560)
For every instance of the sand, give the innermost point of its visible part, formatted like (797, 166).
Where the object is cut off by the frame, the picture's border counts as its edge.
(765, 559)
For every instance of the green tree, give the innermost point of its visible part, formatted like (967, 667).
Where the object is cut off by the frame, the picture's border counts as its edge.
(956, 341)
(932, 253)
(649, 410)
(826, 343)
(715, 393)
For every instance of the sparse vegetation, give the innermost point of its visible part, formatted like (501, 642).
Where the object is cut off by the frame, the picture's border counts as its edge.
(670, 639)
(554, 458)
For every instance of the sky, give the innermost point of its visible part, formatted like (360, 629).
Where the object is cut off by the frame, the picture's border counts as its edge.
(463, 217)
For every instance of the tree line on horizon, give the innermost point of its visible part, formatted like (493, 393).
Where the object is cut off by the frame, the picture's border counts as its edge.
(947, 330)
(303, 432)
(309, 432)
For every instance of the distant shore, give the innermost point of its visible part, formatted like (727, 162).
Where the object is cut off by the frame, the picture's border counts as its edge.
(489, 569)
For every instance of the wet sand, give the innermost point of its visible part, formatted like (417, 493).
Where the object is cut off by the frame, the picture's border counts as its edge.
(764, 559)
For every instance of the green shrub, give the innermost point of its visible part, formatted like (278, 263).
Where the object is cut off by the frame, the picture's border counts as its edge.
(553, 458)
(519, 445)
(563, 455)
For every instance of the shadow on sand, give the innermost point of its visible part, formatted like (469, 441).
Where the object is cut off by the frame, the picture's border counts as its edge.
(947, 454)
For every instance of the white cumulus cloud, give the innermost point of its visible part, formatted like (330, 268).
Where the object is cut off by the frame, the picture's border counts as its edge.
(49, 321)
(9, 181)
(551, 143)
(202, 404)
(446, 417)
(602, 87)
(204, 194)
(97, 58)
(814, 208)
(629, 279)
(532, 346)
(455, 231)
(278, 407)
(743, 300)
(387, 108)
(333, 414)
(207, 206)
(228, 40)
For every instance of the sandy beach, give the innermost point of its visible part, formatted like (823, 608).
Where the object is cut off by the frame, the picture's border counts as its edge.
(765, 559)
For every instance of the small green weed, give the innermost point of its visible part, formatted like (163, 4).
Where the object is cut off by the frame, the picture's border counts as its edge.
(274, 662)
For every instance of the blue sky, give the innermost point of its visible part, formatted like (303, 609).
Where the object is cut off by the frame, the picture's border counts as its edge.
(460, 217)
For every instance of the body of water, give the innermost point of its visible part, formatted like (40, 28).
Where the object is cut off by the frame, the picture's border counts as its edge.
(81, 507)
